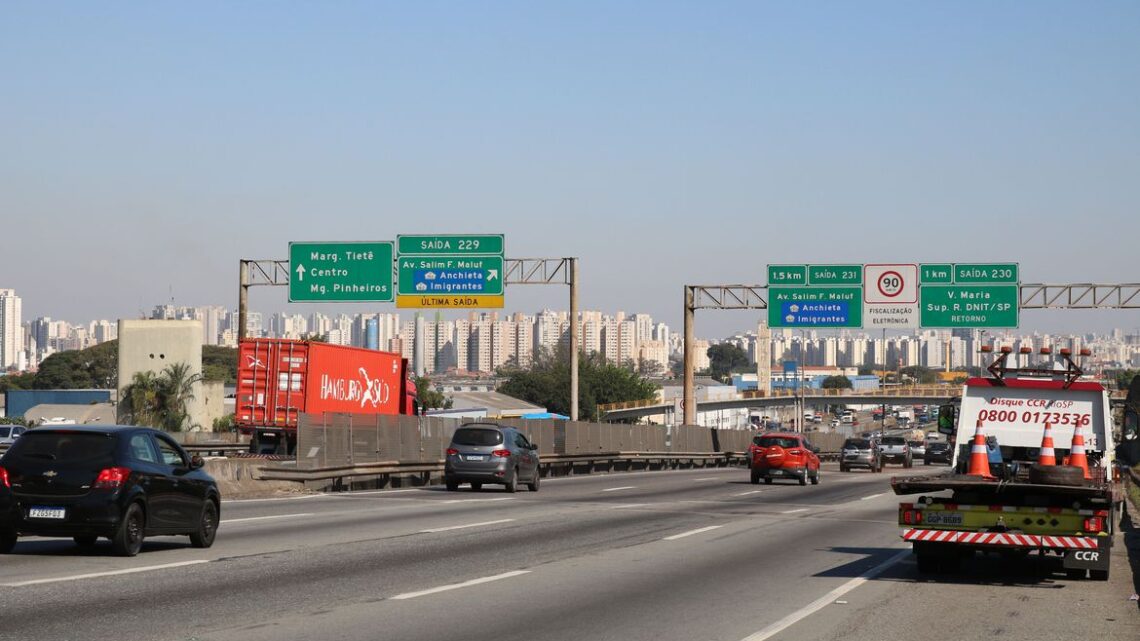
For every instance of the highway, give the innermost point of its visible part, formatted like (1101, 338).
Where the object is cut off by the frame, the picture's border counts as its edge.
(693, 554)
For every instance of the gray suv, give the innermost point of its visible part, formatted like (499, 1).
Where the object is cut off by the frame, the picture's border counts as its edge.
(490, 453)
(894, 449)
(860, 452)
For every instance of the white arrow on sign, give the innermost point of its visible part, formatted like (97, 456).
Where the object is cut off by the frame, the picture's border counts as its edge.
(300, 272)
(492, 274)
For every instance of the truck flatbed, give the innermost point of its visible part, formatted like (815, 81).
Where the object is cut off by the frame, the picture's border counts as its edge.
(1007, 489)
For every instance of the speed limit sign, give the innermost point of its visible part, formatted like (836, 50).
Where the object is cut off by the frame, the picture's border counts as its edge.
(890, 296)
(890, 283)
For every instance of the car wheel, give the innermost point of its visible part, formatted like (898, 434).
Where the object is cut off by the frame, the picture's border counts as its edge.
(756, 477)
(452, 485)
(7, 541)
(925, 461)
(512, 483)
(767, 480)
(804, 478)
(475, 487)
(85, 540)
(128, 538)
(533, 485)
(815, 478)
(203, 537)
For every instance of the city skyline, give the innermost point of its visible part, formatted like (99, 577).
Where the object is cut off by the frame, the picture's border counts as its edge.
(483, 341)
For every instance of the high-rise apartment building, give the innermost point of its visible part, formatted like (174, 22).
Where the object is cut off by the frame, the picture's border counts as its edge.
(11, 330)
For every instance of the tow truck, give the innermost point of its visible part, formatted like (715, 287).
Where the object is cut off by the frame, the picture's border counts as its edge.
(1022, 505)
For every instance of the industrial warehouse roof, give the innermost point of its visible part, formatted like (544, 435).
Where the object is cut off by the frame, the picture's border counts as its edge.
(101, 413)
(495, 403)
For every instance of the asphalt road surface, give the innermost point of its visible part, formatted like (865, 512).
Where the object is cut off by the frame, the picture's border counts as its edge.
(695, 554)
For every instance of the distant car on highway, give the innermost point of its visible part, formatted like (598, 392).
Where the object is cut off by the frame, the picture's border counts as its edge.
(894, 449)
(9, 433)
(784, 455)
(122, 483)
(859, 452)
(491, 453)
(937, 452)
(917, 449)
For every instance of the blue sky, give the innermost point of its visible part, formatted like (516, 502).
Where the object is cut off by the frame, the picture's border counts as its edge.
(150, 146)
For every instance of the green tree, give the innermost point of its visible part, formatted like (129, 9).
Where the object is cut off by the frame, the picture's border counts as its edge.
(869, 370)
(92, 368)
(726, 358)
(225, 423)
(13, 420)
(1124, 378)
(219, 364)
(17, 381)
(547, 383)
(836, 382)
(429, 397)
(161, 400)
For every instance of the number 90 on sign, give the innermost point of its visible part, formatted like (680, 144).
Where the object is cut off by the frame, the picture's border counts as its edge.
(890, 283)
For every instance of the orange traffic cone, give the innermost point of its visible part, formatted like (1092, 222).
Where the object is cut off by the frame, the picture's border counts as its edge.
(1047, 456)
(1077, 451)
(979, 456)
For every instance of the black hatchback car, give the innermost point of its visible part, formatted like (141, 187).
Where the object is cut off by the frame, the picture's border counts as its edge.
(122, 483)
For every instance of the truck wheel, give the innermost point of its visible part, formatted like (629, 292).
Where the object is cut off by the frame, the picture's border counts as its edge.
(1098, 575)
(1069, 475)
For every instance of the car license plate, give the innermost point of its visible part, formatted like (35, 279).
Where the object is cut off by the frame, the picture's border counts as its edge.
(47, 513)
(475, 457)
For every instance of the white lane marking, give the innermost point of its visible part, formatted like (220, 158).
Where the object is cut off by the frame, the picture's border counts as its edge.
(78, 577)
(464, 526)
(692, 532)
(505, 498)
(456, 586)
(873, 496)
(750, 492)
(802, 509)
(713, 478)
(265, 518)
(627, 505)
(624, 487)
(820, 603)
(278, 498)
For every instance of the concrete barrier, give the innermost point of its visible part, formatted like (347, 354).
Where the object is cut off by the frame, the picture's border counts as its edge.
(243, 478)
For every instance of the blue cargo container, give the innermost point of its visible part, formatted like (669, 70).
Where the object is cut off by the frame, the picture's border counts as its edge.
(19, 401)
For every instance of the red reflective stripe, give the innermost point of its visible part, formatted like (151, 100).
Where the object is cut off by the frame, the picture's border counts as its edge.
(995, 508)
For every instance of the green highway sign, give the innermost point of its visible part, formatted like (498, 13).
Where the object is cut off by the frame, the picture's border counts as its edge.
(358, 272)
(835, 274)
(453, 271)
(815, 306)
(1001, 273)
(951, 306)
(459, 275)
(453, 245)
(787, 274)
(939, 274)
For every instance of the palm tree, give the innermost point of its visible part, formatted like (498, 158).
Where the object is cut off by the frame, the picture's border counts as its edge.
(177, 392)
(139, 404)
(160, 400)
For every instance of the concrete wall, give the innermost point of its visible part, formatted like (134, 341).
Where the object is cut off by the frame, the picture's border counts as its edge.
(153, 345)
(214, 394)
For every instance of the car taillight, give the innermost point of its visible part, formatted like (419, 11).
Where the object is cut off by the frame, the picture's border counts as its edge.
(1094, 524)
(4, 478)
(501, 453)
(112, 477)
(908, 515)
(451, 451)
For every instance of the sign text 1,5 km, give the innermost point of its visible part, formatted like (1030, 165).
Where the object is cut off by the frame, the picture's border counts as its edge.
(453, 271)
(340, 272)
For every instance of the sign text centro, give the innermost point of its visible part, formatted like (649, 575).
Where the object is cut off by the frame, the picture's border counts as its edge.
(358, 272)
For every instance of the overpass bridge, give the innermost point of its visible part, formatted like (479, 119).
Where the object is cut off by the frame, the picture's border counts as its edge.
(908, 395)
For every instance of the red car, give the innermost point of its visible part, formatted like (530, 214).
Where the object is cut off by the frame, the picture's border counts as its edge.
(783, 455)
